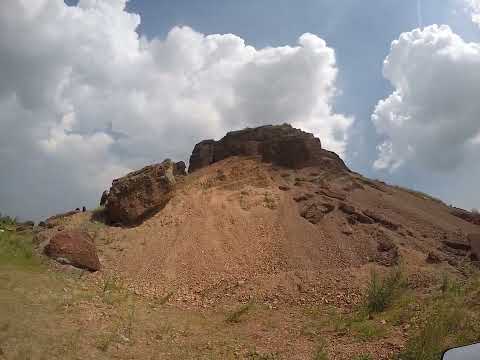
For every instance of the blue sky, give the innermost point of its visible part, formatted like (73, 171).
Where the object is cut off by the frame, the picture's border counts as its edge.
(75, 76)
(360, 32)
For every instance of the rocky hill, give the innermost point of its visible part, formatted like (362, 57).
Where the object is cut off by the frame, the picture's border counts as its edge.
(267, 212)
(268, 248)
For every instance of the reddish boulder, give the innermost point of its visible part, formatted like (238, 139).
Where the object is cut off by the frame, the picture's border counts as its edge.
(281, 145)
(75, 248)
(141, 194)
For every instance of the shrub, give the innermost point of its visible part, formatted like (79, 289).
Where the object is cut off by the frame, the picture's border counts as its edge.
(380, 292)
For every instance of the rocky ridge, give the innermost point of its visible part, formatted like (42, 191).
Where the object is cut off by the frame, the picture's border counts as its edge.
(280, 145)
(253, 207)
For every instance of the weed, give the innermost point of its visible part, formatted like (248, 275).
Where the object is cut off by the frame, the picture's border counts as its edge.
(320, 353)
(234, 316)
(254, 355)
(446, 321)
(269, 201)
(112, 292)
(160, 301)
(105, 340)
(368, 330)
(449, 286)
(130, 320)
(380, 292)
(363, 357)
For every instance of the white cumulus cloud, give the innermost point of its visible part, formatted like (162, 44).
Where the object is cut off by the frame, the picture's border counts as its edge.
(432, 118)
(474, 6)
(84, 99)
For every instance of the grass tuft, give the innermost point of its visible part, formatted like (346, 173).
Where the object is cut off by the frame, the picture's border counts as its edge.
(381, 292)
(235, 316)
(446, 320)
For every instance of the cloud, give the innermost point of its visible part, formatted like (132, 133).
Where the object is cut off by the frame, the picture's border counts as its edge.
(432, 117)
(84, 99)
(474, 6)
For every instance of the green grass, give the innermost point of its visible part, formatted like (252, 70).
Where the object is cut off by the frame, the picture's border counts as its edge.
(320, 353)
(254, 355)
(367, 330)
(17, 250)
(448, 319)
(363, 357)
(381, 292)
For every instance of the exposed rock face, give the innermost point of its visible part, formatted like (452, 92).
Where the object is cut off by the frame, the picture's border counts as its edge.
(103, 199)
(281, 145)
(75, 248)
(387, 252)
(315, 211)
(25, 226)
(433, 258)
(474, 240)
(469, 216)
(140, 194)
(180, 169)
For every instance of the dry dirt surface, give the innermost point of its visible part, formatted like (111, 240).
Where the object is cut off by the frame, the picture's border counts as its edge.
(241, 228)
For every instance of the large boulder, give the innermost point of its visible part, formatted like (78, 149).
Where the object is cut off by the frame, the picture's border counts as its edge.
(281, 145)
(142, 193)
(75, 248)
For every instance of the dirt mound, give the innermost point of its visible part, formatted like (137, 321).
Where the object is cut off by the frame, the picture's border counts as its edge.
(241, 227)
(233, 231)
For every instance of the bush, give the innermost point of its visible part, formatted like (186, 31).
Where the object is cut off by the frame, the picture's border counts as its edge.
(380, 292)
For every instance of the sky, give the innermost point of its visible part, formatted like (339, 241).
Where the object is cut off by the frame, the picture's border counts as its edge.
(93, 89)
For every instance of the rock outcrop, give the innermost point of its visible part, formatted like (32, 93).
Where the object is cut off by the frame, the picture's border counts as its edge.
(75, 248)
(474, 240)
(103, 199)
(281, 145)
(25, 226)
(470, 216)
(142, 193)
